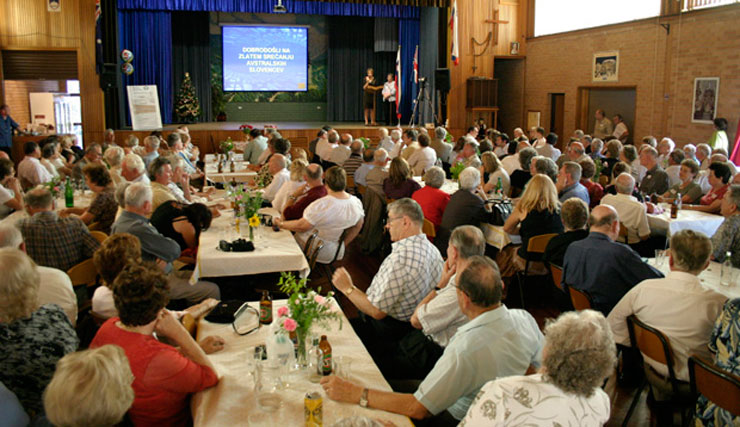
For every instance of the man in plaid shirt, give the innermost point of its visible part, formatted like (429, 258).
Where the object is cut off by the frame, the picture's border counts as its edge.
(52, 241)
(405, 277)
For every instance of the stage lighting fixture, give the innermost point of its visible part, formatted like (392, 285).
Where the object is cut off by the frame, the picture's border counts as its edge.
(279, 8)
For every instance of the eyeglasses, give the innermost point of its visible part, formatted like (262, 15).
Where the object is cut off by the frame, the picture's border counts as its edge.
(390, 220)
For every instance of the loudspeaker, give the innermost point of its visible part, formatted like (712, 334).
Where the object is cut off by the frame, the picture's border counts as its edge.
(442, 79)
(109, 76)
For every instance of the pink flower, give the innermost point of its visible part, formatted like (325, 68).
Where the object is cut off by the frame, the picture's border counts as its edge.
(290, 324)
(239, 197)
(319, 299)
(282, 311)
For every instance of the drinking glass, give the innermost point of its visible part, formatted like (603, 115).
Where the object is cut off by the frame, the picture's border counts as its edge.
(342, 367)
(254, 356)
(269, 385)
(728, 275)
(659, 257)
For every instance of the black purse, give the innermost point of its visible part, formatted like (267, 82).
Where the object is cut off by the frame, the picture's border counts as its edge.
(500, 211)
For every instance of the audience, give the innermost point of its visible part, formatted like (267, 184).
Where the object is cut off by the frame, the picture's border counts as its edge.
(296, 181)
(545, 166)
(469, 156)
(600, 266)
(549, 149)
(134, 170)
(574, 215)
(432, 200)
(521, 176)
(496, 342)
(384, 141)
(629, 156)
(424, 158)
(11, 194)
(33, 338)
(368, 163)
(410, 141)
(355, 159)
(151, 147)
(467, 206)
(632, 213)
(568, 183)
(703, 154)
(578, 355)
(400, 182)
(673, 169)
(376, 177)
(255, 147)
(440, 146)
(655, 180)
(113, 157)
(183, 224)
(90, 387)
(277, 167)
(613, 152)
(115, 253)
(719, 179)
(30, 170)
(102, 210)
(687, 187)
(341, 152)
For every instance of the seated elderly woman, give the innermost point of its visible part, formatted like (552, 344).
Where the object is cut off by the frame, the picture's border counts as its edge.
(335, 215)
(11, 194)
(689, 190)
(466, 207)
(399, 183)
(113, 156)
(613, 150)
(103, 208)
(297, 170)
(520, 177)
(579, 354)
(183, 224)
(164, 377)
(32, 338)
(90, 387)
(719, 178)
(545, 166)
(537, 212)
(432, 200)
(492, 171)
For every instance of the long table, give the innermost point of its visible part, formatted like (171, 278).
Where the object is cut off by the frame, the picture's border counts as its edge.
(663, 224)
(710, 278)
(232, 401)
(82, 200)
(240, 174)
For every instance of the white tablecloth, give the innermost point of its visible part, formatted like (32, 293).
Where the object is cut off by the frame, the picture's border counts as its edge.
(706, 223)
(448, 187)
(709, 278)
(232, 401)
(498, 238)
(274, 251)
(82, 200)
(240, 174)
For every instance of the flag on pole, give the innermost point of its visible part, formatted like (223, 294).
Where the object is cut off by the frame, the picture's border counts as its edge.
(453, 27)
(99, 60)
(398, 83)
(416, 64)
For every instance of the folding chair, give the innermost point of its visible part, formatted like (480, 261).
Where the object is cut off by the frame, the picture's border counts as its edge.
(536, 245)
(717, 385)
(581, 299)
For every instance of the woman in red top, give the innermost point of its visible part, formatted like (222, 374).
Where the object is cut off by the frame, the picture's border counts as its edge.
(719, 178)
(432, 200)
(164, 377)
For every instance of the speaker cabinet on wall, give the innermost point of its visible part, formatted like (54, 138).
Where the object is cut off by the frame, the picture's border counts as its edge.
(109, 76)
(442, 79)
(481, 92)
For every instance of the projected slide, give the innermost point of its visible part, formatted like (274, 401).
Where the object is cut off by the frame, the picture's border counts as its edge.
(265, 58)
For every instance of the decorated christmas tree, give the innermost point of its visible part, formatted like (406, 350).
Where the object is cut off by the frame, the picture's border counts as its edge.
(187, 107)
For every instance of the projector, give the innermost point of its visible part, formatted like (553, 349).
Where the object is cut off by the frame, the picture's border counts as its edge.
(279, 8)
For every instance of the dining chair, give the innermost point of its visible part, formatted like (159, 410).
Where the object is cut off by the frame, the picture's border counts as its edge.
(581, 299)
(99, 236)
(557, 276)
(717, 385)
(428, 229)
(536, 245)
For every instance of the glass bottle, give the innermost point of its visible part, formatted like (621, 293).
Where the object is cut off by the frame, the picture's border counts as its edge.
(266, 308)
(727, 273)
(326, 361)
(314, 358)
(69, 194)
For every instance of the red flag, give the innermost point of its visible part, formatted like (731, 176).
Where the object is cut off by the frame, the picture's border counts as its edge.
(398, 83)
(416, 64)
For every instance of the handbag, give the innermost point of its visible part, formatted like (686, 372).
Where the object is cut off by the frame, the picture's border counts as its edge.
(500, 211)
(224, 311)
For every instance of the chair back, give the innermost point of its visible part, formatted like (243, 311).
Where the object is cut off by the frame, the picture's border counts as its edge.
(361, 189)
(428, 229)
(99, 236)
(309, 241)
(623, 232)
(315, 255)
(94, 226)
(651, 342)
(716, 384)
(581, 299)
(191, 324)
(83, 274)
(557, 276)
(350, 182)
(537, 244)
(340, 243)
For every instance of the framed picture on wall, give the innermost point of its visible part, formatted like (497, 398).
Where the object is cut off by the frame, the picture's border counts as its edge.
(533, 119)
(706, 94)
(606, 66)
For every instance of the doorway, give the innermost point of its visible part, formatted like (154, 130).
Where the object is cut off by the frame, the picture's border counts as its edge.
(613, 100)
(557, 112)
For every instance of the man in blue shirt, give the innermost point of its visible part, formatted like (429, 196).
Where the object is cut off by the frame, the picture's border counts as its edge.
(568, 183)
(603, 268)
(7, 126)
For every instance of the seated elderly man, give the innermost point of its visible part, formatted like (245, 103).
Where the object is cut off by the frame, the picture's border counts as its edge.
(632, 213)
(600, 266)
(160, 173)
(466, 207)
(440, 146)
(354, 161)
(341, 152)
(727, 237)
(664, 304)
(93, 154)
(549, 149)
(55, 287)
(511, 162)
(384, 140)
(405, 277)
(325, 146)
(574, 215)
(156, 247)
(275, 146)
(469, 155)
(277, 166)
(424, 158)
(52, 241)
(313, 190)
(151, 149)
(569, 185)
(656, 181)
(133, 169)
(330, 215)
(30, 170)
(377, 175)
(410, 143)
(575, 153)
(368, 163)
(496, 342)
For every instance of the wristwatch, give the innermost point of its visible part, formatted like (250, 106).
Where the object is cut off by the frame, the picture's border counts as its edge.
(352, 289)
(363, 398)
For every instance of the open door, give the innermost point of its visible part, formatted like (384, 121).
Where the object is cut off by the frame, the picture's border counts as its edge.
(557, 112)
(613, 100)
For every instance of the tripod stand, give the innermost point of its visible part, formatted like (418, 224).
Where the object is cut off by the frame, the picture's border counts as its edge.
(422, 97)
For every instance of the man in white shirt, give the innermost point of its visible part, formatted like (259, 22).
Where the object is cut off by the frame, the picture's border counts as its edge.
(678, 305)
(632, 213)
(674, 166)
(277, 167)
(549, 149)
(133, 169)
(55, 287)
(385, 142)
(539, 138)
(255, 147)
(30, 170)
(398, 144)
(620, 128)
(341, 152)
(325, 146)
(423, 158)
(511, 163)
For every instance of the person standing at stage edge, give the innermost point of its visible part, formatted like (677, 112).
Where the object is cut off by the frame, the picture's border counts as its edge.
(389, 96)
(368, 99)
(7, 126)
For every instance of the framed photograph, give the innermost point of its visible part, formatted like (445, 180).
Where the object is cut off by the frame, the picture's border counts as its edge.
(533, 119)
(606, 67)
(706, 94)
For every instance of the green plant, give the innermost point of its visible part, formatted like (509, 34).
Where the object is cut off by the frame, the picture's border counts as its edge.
(456, 169)
(365, 142)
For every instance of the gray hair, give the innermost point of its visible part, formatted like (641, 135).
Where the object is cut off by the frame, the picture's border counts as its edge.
(468, 240)
(440, 133)
(525, 157)
(173, 139)
(469, 179)
(580, 352)
(39, 198)
(121, 194)
(152, 142)
(734, 194)
(668, 141)
(10, 236)
(156, 166)
(434, 177)
(481, 281)
(110, 132)
(597, 145)
(134, 162)
(690, 148)
(625, 183)
(573, 169)
(176, 162)
(690, 251)
(409, 208)
(546, 166)
(574, 214)
(20, 285)
(380, 155)
(114, 156)
(395, 134)
(132, 141)
(138, 194)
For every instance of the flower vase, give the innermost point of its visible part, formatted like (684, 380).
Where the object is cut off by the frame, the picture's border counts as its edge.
(251, 233)
(301, 334)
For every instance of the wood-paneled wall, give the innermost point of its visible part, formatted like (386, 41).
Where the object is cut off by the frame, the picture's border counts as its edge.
(27, 25)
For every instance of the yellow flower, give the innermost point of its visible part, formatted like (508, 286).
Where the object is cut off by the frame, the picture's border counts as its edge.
(254, 221)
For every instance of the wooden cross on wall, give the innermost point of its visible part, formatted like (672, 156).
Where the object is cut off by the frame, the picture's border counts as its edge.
(496, 22)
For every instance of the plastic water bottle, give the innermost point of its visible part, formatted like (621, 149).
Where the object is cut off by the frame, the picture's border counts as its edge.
(314, 358)
(727, 273)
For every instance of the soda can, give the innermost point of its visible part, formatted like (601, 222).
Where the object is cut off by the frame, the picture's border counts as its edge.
(313, 408)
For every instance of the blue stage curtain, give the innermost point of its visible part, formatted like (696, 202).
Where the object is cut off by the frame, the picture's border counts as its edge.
(408, 35)
(428, 58)
(265, 6)
(149, 36)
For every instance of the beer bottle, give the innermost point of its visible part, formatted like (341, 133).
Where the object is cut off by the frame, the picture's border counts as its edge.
(220, 166)
(231, 166)
(674, 207)
(266, 308)
(69, 194)
(325, 347)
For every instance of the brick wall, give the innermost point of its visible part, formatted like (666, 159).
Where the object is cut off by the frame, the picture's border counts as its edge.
(16, 96)
(660, 65)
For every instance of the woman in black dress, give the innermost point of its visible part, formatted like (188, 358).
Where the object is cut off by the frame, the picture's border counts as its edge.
(368, 99)
(183, 224)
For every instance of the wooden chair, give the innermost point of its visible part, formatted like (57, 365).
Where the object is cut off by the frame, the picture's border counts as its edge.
(315, 255)
(351, 184)
(623, 233)
(653, 344)
(93, 226)
(428, 229)
(716, 384)
(309, 241)
(99, 236)
(581, 299)
(84, 276)
(557, 276)
(536, 245)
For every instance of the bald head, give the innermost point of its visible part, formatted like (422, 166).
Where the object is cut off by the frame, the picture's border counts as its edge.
(625, 183)
(356, 147)
(346, 139)
(604, 219)
(314, 173)
(277, 163)
(4, 155)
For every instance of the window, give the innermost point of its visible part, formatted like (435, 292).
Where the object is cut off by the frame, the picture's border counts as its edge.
(558, 16)
(73, 87)
(701, 4)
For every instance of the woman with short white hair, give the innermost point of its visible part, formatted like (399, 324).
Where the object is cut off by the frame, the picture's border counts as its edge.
(579, 353)
(113, 156)
(297, 171)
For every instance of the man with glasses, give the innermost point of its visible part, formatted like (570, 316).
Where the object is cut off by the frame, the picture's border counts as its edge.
(405, 277)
